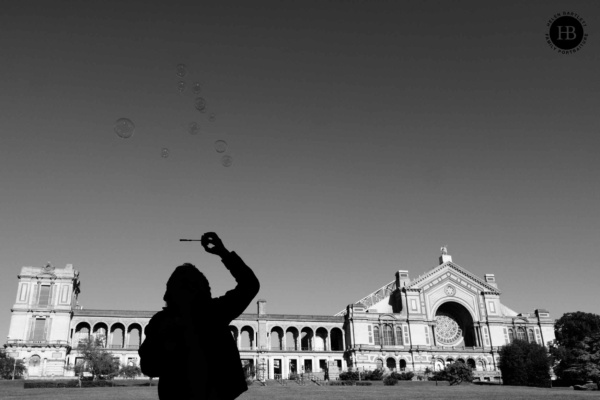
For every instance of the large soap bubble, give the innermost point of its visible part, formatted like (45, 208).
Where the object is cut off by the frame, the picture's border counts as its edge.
(193, 128)
(164, 153)
(124, 128)
(220, 146)
(200, 104)
(180, 86)
(196, 88)
(226, 161)
(181, 70)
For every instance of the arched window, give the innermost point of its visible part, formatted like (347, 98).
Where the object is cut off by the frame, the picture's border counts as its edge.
(321, 339)
(388, 335)
(276, 339)
(471, 363)
(511, 336)
(402, 365)
(247, 338)
(530, 336)
(521, 334)
(398, 336)
(391, 364)
(117, 332)
(135, 336)
(337, 343)
(291, 339)
(306, 339)
(376, 336)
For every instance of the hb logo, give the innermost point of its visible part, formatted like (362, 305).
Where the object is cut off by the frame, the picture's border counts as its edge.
(566, 33)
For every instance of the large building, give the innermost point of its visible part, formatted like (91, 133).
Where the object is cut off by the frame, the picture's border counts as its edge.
(445, 315)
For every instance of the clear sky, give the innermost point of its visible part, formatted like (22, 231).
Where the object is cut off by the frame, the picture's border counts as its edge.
(363, 135)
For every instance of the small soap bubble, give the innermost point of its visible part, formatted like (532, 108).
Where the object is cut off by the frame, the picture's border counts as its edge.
(124, 128)
(181, 70)
(164, 153)
(200, 104)
(220, 146)
(212, 117)
(193, 128)
(180, 86)
(196, 88)
(226, 161)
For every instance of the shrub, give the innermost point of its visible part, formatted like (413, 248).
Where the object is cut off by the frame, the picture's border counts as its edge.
(349, 376)
(459, 372)
(524, 364)
(375, 375)
(390, 380)
(364, 383)
(294, 376)
(130, 371)
(403, 376)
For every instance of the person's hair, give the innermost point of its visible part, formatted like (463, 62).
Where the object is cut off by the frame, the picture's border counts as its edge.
(186, 275)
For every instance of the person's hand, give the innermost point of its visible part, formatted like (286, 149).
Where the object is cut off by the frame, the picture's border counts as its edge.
(213, 244)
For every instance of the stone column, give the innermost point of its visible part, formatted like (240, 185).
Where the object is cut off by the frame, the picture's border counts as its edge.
(284, 343)
(328, 341)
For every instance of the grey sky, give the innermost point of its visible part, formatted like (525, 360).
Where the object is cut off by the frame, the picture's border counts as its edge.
(364, 135)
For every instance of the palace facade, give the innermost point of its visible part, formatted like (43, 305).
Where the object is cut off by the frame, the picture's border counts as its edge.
(445, 315)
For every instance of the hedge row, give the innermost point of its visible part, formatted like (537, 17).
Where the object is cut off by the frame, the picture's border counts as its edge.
(350, 383)
(74, 383)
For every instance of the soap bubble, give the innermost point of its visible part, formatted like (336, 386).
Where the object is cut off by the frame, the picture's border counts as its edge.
(180, 86)
(124, 128)
(226, 161)
(196, 88)
(220, 146)
(193, 128)
(181, 70)
(212, 117)
(200, 104)
(164, 153)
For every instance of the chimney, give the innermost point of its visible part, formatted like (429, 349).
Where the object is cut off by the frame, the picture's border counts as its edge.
(490, 279)
(402, 278)
(262, 307)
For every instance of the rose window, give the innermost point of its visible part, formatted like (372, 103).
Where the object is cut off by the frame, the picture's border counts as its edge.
(447, 330)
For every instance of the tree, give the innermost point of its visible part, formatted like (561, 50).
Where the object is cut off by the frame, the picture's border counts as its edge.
(576, 351)
(572, 328)
(524, 364)
(97, 360)
(8, 365)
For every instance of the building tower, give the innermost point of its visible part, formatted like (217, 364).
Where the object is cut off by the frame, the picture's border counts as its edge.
(41, 317)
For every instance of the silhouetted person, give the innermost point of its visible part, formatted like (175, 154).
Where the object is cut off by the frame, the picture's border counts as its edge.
(188, 344)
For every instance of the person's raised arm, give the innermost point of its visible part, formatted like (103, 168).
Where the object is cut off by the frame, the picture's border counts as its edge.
(235, 301)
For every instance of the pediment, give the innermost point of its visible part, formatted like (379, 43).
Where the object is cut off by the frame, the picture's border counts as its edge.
(452, 272)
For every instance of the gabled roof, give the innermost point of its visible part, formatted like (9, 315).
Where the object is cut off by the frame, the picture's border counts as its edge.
(387, 289)
(417, 283)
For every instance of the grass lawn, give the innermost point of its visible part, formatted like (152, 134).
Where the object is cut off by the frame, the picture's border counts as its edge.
(404, 390)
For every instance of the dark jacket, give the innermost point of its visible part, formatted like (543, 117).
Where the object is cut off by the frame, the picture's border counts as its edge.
(224, 365)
